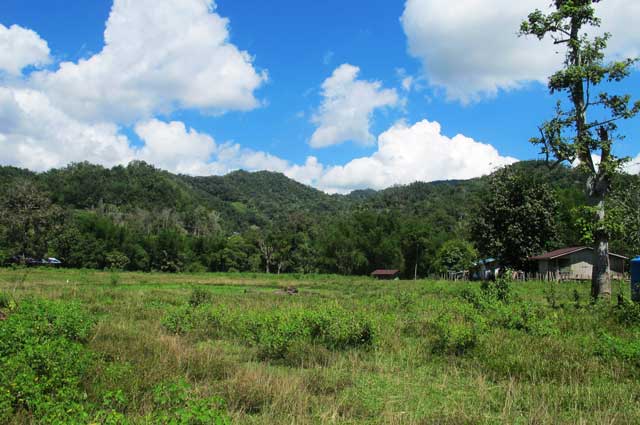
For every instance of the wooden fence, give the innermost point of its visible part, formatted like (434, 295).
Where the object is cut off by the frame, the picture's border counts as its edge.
(522, 276)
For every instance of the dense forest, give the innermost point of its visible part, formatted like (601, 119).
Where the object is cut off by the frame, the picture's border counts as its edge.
(137, 217)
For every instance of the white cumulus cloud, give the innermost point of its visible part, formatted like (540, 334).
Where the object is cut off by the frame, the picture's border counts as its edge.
(633, 167)
(470, 48)
(174, 147)
(21, 47)
(405, 154)
(158, 56)
(309, 173)
(419, 152)
(347, 108)
(35, 134)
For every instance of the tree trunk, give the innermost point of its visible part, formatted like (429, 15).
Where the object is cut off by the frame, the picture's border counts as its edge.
(601, 276)
(415, 271)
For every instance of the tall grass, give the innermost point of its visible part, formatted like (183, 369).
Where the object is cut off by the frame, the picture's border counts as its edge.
(201, 348)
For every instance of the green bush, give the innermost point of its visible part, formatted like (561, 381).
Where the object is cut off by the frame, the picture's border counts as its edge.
(116, 260)
(275, 333)
(179, 320)
(612, 347)
(43, 361)
(454, 335)
(5, 300)
(338, 329)
(551, 295)
(523, 316)
(175, 403)
(627, 313)
(333, 328)
(498, 290)
(199, 297)
(37, 321)
(500, 308)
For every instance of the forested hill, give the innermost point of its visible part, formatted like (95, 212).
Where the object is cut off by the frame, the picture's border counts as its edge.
(138, 217)
(244, 199)
(241, 198)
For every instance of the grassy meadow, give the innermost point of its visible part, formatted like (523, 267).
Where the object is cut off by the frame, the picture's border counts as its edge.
(80, 346)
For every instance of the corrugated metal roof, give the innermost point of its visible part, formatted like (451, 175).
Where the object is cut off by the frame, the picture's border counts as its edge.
(567, 251)
(485, 261)
(385, 272)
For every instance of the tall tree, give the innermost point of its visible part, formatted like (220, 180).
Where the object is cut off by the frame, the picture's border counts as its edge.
(517, 218)
(624, 211)
(570, 135)
(29, 219)
(415, 237)
(455, 256)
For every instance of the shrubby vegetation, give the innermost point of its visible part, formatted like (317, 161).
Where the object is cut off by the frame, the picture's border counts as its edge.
(45, 366)
(43, 360)
(236, 348)
(277, 334)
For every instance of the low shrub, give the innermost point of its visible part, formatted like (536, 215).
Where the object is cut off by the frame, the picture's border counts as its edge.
(5, 300)
(498, 290)
(275, 333)
(338, 329)
(523, 316)
(176, 403)
(627, 313)
(199, 297)
(43, 361)
(179, 320)
(551, 295)
(500, 308)
(613, 347)
(454, 335)
(577, 299)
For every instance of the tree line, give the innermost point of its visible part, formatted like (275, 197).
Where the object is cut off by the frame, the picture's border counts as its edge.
(420, 229)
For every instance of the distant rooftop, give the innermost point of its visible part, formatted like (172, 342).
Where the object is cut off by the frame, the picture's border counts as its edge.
(385, 272)
(558, 253)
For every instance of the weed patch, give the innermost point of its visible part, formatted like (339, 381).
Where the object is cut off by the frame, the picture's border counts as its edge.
(43, 361)
(276, 334)
(199, 297)
(612, 347)
(627, 313)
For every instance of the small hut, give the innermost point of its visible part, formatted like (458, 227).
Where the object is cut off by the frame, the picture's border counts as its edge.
(386, 274)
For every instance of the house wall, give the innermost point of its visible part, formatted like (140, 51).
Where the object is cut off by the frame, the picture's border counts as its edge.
(581, 265)
(619, 265)
(543, 267)
(578, 266)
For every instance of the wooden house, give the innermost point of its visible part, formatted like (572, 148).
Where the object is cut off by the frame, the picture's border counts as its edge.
(575, 263)
(386, 274)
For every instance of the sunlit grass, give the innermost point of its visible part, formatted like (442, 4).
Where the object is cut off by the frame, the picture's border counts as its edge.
(545, 370)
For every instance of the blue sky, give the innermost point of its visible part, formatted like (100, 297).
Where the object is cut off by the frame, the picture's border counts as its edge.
(307, 66)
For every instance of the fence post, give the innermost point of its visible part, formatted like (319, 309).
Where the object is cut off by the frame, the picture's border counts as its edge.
(635, 279)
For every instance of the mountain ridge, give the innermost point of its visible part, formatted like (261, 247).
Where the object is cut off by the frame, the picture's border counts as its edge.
(245, 198)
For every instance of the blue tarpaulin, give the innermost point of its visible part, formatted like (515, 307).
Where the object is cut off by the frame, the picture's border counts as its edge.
(635, 279)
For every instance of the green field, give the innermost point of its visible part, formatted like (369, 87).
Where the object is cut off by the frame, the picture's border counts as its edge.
(96, 347)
